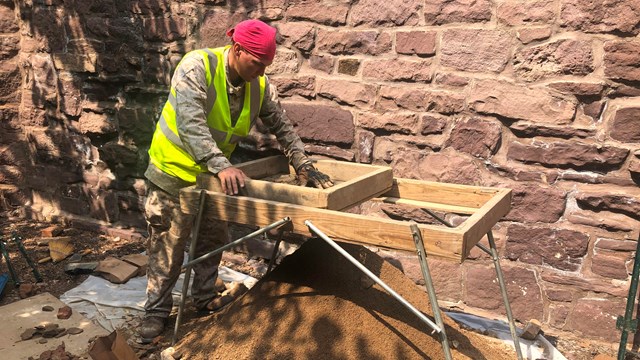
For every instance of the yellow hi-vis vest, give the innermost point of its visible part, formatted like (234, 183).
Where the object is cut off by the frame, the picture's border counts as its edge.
(167, 152)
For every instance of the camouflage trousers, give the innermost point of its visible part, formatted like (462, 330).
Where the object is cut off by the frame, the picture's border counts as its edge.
(169, 233)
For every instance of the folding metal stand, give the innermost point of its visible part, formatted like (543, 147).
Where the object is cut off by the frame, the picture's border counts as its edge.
(301, 212)
(422, 256)
(191, 261)
(439, 328)
(493, 252)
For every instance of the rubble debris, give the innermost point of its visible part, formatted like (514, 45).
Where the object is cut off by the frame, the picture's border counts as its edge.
(219, 302)
(26, 290)
(531, 330)
(50, 330)
(28, 334)
(47, 331)
(116, 270)
(237, 290)
(60, 353)
(64, 312)
(44, 241)
(139, 260)
(50, 231)
(168, 354)
(220, 286)
(79, 268)
(74, 331)
(60, 249)
(75, 258)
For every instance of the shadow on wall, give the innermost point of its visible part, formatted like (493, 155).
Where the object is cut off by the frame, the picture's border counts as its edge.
(95, 75)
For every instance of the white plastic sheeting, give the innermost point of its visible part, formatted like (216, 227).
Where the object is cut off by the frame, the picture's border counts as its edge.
(537, 349)
(112, 305)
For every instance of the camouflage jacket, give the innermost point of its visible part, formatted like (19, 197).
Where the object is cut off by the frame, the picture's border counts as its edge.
(189, 80)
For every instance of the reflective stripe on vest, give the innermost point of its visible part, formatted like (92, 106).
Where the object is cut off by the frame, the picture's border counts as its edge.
(167, 151)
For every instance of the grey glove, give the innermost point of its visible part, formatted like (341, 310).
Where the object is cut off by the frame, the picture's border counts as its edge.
(309, 175)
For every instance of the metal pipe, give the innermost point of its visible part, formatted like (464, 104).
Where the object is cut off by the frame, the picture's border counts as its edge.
(503, 290)
(435, 216)
(426, 274)
(484, 248)
(236, 242)
(18, 239)
(627, 323)
(373, 277)
(7, 259)
(274, 253)
(187, 274)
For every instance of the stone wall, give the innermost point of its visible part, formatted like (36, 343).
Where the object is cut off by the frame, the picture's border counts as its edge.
(538, 96)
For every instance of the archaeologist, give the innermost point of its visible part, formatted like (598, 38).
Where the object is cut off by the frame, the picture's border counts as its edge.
(216, 97)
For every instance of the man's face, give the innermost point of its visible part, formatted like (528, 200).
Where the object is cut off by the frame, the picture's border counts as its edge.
(249, 66)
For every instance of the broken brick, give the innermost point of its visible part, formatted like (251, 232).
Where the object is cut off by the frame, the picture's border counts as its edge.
(51, 231)
(64, 312)
(26, 290)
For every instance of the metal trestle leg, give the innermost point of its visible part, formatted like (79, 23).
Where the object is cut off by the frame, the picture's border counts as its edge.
(377, 280)
(191, 261)
(493, 252)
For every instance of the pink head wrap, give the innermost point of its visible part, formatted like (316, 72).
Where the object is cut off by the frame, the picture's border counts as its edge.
(258, 38)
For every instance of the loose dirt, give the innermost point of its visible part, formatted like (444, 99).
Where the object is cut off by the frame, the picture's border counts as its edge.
(317, 305)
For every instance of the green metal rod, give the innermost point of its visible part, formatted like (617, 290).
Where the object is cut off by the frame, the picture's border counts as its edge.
(18, 239)
(187, 275)
(493, 252)
(505, 297)
(431, 290)
(631, 299)
(14, 276)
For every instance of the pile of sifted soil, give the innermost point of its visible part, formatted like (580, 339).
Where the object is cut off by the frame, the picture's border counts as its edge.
(317, 305)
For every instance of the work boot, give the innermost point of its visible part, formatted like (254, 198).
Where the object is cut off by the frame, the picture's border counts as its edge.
(151, 327)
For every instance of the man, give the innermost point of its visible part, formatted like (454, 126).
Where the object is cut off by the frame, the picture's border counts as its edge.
(216, 96)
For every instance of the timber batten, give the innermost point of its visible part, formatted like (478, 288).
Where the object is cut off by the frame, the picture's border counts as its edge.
(263, 203)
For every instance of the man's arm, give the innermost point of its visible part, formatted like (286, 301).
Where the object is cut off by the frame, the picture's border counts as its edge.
(189, 83)
(275, 118)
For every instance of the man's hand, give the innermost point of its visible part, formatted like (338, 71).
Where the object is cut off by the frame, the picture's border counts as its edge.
(308, 174)
(232, 180)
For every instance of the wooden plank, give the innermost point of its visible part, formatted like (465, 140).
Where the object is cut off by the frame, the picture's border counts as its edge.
(479, 224)
(346, 171)
(362, 182)
(441, 193)
(260, 189)
(426, 205)
(440, 242)
(359, 189)
(261, 168)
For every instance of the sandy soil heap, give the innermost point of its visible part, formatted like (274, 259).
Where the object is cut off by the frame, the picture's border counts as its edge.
(317, 305)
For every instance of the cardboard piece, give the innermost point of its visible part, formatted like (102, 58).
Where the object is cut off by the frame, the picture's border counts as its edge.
(112, 347)
(115, 270)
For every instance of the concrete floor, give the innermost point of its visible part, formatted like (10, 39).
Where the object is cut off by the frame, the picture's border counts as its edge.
(16, 317)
